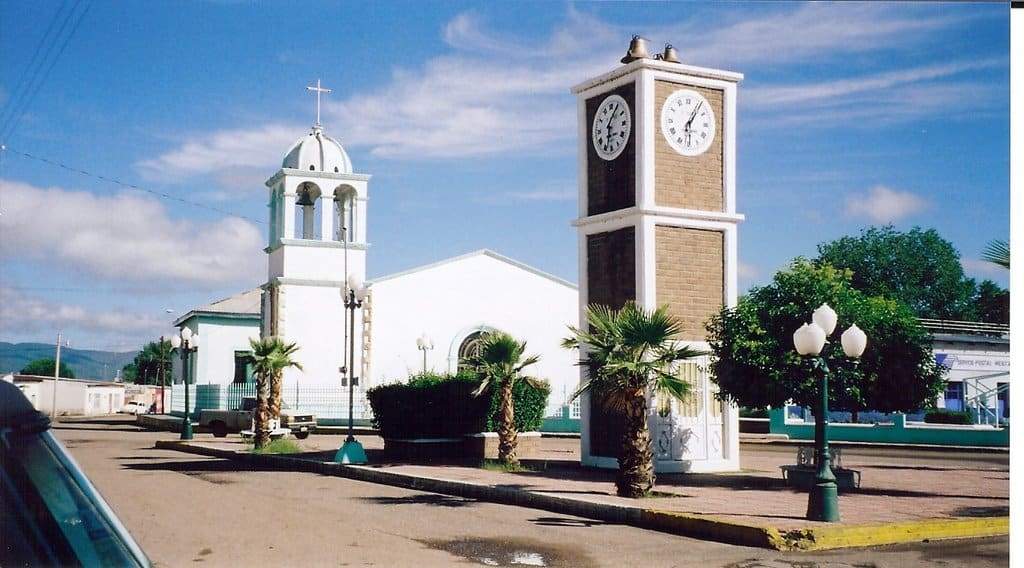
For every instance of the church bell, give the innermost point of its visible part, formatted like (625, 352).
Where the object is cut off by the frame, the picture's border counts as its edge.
(670, 55)
(637, 50)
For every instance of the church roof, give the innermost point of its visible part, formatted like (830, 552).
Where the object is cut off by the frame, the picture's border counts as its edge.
(318, 152)
(243, 304)
(483, 252)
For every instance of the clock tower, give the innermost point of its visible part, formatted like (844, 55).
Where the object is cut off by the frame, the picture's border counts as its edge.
(658, 225)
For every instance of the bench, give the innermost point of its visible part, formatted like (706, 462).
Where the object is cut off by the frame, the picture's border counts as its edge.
(802, 474)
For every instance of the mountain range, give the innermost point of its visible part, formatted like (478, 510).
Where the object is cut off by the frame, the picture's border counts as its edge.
(86, 363)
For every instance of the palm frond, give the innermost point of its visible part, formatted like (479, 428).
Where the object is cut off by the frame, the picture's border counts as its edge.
(997, 252)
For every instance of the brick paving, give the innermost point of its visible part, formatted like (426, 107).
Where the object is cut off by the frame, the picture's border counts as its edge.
(897, 485)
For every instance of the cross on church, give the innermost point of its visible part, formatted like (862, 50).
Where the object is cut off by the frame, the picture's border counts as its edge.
(318, 90)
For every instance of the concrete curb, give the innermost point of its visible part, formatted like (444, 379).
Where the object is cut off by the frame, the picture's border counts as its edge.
(684, 524)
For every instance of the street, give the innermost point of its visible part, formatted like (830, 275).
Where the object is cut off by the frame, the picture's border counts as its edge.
(186, 509)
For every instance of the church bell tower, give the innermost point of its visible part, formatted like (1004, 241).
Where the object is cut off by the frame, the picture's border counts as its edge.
(317, 238)
(658, 225)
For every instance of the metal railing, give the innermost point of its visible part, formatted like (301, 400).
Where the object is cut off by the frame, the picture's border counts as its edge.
(325, 402)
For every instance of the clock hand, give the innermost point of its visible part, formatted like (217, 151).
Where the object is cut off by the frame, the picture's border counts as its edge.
(693, 115)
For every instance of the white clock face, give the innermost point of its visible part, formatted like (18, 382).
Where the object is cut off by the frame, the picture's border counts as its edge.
(612, 123)
(688, 122)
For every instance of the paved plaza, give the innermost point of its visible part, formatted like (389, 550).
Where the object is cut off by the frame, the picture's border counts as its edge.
(192, 510)
(897, 484)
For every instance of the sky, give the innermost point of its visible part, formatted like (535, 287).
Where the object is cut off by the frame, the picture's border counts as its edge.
(850, 115)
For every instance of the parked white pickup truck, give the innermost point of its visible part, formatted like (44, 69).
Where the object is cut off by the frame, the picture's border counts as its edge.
(220, 422)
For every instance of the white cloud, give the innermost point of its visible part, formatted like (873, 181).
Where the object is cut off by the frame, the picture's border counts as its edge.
(126, 237)
(747, 271)
(493, 93)
(982, 268)
(884, 205)
(832, 90)
(236, 157)
(37, 319)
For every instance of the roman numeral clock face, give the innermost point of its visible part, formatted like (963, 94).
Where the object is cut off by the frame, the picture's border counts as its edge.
(688, 122)
(612, 123)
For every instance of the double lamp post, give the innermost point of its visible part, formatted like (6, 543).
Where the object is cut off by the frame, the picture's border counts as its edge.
(185, 343)
(354, 293)
(809, 340)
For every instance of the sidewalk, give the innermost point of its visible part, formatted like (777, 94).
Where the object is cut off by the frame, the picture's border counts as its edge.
(903, 495)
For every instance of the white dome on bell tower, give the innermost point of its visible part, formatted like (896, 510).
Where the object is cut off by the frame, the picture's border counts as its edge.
(318, 152)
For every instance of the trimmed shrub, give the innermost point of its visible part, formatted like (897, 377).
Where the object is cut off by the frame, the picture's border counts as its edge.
(432, 405)
(943, 416)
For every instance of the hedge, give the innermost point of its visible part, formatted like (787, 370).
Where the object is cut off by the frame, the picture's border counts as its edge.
(943, 416)
(443, 406)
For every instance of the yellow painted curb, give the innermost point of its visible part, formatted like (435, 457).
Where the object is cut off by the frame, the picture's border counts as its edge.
(709, 527)
(824, 538)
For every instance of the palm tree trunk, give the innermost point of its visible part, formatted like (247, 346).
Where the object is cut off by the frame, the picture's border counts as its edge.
(507, 436)
(262, 416)
(636, 461)
(276, 392)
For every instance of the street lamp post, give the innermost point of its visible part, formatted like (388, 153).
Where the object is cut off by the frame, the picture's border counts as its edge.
(351, 452)
(424, 344)
(185, 343)
(809, 340)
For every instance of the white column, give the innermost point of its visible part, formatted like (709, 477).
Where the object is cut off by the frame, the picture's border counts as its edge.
(288, 199)
(327, 217)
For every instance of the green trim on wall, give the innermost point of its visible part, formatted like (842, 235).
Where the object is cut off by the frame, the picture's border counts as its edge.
(899, 432)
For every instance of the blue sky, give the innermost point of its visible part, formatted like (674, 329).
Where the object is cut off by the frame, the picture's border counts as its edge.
(850, 115)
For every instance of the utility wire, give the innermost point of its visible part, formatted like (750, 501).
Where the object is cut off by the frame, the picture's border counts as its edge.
(7, 132)
(132, 186)
(21, 85)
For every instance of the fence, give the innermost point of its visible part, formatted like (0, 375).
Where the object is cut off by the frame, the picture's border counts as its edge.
(896, 432)
(328, 403)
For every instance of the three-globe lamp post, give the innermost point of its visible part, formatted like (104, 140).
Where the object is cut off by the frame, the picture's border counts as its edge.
(354, 293)
(186, 342)
(809, 340)
(424, 344)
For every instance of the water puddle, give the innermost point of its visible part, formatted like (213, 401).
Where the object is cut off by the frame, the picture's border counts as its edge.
(512, 552)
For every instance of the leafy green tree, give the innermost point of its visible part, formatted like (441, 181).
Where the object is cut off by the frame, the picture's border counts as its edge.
(626, 353)
(756, 366)
(45, 367)
(991, 303)
(271, 356)
(917, 267)
(152, 364)
(500, 362)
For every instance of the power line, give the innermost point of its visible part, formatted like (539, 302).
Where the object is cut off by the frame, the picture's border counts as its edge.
(131, 186)
(21, 85)
(7, 132)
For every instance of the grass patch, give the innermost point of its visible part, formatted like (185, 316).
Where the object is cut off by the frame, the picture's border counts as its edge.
(495, 465)
(278, 446)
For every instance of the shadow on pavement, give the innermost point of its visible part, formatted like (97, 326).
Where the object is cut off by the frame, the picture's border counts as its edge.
(423, 499)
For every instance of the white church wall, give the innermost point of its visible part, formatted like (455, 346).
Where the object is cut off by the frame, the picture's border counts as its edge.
(318, 329)
(452, 299)
(323, 262)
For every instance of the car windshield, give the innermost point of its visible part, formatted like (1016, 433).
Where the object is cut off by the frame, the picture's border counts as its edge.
(51, 514)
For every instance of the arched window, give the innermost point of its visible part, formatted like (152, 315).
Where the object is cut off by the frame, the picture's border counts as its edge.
(470, 347)
(307, 211)
(345, 214)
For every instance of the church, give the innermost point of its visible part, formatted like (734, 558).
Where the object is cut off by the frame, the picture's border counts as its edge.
(317, 241)
(657, 225)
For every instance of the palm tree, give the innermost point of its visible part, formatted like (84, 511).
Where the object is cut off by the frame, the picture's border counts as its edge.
(500, 363)
(271, 356)
(628, 353)
(997, 252)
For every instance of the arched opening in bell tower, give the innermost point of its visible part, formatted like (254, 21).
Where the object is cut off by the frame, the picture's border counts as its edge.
(345, 213)
(308, 211)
